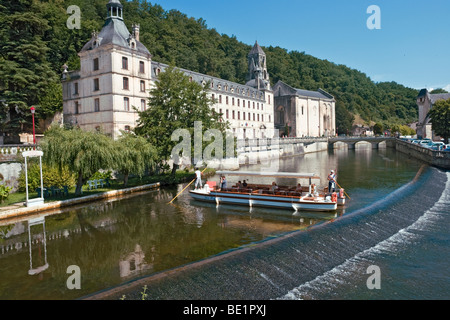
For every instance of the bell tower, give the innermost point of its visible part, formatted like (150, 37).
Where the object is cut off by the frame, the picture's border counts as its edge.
(258, 76)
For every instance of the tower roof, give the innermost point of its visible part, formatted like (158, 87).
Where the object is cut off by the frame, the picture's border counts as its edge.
(115, 32)
(116, 3)
(256, 49)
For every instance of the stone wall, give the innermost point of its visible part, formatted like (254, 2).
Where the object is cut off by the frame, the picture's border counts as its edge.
(438, 159)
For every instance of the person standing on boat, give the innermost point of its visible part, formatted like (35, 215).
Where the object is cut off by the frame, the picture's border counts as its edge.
(198, 182)
(223, 183)
(331, 182)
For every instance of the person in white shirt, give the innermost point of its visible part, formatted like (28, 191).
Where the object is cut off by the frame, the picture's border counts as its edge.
(331, 182)
(198, 182)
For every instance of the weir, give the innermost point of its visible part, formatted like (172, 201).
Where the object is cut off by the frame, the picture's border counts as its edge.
(271, 269)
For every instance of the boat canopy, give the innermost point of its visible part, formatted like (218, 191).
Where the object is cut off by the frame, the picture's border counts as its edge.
(291, 175)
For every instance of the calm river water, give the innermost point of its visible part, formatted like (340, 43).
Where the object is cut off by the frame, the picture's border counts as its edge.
(116, 242)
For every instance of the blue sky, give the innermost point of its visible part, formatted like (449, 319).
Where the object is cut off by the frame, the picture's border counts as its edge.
(411, 48)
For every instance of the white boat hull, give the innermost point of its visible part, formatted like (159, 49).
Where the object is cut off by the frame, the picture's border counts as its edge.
(256, 200)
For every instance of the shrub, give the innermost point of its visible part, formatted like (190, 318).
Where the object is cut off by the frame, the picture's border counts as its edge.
(4, 192)
(51, 177)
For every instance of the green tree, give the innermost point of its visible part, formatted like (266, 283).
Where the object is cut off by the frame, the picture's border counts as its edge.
(51, 102)
(344, 119)
(440, 118)
(378, 128)
(25, 73)
(175, 103)
(136, 155)
(82, 152)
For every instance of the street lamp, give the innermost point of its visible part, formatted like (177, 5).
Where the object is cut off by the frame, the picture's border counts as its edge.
(34, 135)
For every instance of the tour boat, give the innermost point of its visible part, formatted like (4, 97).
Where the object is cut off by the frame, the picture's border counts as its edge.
(282, 197)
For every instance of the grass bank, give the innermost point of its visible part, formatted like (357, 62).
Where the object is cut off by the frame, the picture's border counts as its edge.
(181, 176)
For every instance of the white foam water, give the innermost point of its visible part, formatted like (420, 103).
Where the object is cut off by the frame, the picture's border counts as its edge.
(355, 267)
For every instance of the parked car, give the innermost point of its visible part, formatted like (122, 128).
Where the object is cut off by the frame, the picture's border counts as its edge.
(425, 143)
(437, 146)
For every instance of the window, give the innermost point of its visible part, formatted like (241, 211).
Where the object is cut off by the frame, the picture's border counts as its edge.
(253, 104)
(262, 106)
(96, 66)
(232, 101)
(143, 105)
(254, 118)
(249, 104)
(126, 104)
(141, 67)
(127, 128)
(269, 99)
(227, 114)
(239, 102)
(125, 83)
(213, 97)
(96, 105)
(262, 118)
(125, 63)
(142, 85)
(226, 99)
(258, 116)
(257, 106)
(249, 116)
(243, 115)
(96, 84)
(220, 98)
(75, 88)
(77, 107)
(239, 115)
(232, 114)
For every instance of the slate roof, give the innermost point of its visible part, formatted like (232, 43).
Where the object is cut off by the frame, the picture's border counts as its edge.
(288, 90)
(238, 89)
(256, 49)
(433, 97)
(116, 32)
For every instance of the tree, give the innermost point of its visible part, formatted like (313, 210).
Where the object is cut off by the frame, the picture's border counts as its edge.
(175, 103)
(136, 155)
(82, 152)
(25, 72)
(440, 118)
(51, 102)
(378, 128)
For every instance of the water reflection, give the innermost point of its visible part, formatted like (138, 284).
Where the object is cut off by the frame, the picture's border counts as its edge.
(40, 240)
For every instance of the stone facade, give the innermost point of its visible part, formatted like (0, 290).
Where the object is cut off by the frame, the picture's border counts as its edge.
(425, 101)
(303, 113)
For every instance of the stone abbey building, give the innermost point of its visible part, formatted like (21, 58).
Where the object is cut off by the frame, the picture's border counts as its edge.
(117, 72)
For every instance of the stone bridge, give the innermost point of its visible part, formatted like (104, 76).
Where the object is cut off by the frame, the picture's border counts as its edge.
(352, 141)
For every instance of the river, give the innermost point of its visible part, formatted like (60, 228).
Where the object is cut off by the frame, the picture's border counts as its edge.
(397, 219)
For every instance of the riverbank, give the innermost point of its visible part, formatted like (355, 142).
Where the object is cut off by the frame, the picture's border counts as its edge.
(18, 209)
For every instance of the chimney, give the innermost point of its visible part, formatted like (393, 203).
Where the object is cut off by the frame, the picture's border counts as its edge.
(136, 31)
